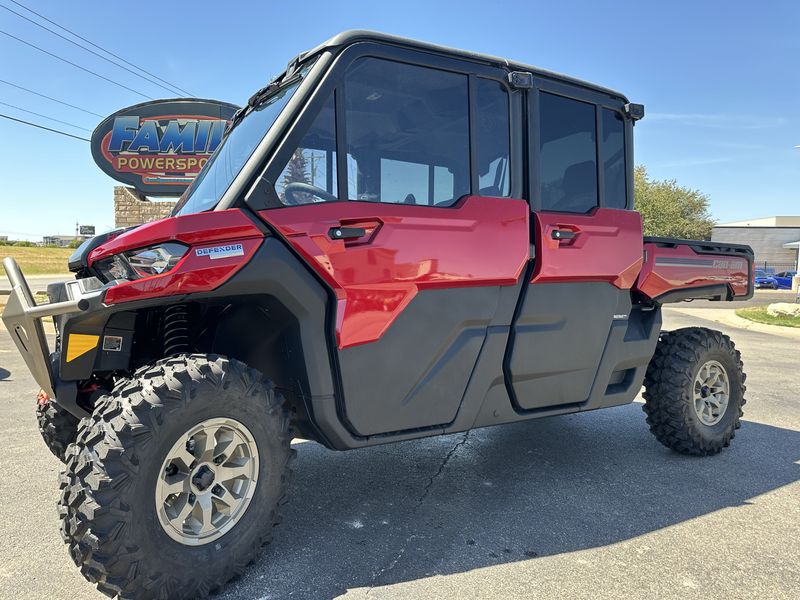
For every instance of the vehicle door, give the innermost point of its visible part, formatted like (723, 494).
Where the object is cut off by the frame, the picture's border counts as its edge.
(413, 228)
(588, 246)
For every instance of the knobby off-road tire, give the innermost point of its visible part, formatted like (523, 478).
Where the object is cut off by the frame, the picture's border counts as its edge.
(682, 359)
(58, 428)
(108, 487)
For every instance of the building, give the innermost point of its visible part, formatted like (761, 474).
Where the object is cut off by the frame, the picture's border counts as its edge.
(62, 240)
(775, 240)
(133, 208)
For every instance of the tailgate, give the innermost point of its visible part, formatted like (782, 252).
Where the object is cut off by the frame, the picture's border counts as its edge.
(676, 270)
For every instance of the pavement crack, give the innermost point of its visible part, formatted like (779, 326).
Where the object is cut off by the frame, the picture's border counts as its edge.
(433, 478)
(390, 565)
(404, 546)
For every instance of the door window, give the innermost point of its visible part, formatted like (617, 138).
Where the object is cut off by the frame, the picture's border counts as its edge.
(407, 130)
(493, 130)
(568, 168)
(404, 182)
(613, 154)
(310, 174)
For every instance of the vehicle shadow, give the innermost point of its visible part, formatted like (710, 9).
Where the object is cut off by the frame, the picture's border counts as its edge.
(452, 504)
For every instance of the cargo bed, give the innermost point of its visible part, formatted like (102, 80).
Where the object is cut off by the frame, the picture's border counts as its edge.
(676, 270)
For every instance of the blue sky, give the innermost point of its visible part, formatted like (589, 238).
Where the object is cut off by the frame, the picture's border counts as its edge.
(719, 80)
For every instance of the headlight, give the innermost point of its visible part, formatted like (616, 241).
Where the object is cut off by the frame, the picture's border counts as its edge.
(143, 262)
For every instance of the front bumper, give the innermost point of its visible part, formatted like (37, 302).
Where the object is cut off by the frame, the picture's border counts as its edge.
(23, 319)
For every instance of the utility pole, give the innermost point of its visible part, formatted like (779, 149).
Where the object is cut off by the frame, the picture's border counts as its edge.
(313, 158)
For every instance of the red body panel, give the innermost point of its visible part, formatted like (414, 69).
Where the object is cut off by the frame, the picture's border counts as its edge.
(607, 247)
(194, 273)
(477, 242)
(196, 229)
(680, 267)
(191, 275)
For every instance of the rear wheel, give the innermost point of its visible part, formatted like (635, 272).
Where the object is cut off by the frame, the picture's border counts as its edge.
(58, 427)
(175, 481)
(694, 391)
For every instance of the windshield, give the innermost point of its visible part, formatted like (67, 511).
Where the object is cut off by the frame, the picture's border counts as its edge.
(236, 148)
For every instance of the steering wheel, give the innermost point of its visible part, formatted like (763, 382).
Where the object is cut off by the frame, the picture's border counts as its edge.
(298, 187)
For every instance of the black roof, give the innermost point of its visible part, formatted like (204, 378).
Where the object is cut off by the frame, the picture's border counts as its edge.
(352, 36)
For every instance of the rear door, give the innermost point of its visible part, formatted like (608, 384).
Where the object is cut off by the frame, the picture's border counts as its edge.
(588, 247)
(414, 230)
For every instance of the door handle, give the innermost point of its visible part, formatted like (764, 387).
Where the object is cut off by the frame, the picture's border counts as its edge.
(346, 233)
(563, 234)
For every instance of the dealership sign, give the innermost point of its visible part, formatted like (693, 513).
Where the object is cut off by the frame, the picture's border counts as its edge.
(159, 147)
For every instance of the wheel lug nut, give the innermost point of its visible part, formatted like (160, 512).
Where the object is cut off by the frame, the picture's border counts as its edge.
(217, 490)
(192, 498)
(219, 460)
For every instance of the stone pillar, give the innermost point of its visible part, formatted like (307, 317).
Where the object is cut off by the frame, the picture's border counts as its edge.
(132, 208)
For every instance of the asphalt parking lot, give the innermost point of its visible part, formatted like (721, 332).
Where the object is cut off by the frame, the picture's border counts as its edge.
(582, 506)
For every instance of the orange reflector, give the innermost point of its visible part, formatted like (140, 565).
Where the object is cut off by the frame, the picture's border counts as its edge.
(79, 344)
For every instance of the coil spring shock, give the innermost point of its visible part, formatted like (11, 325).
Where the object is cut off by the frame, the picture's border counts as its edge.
(176, 330)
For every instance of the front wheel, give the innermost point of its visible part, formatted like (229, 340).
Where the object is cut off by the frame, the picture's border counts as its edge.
(58, 427)
(694, 391)
(175, 481)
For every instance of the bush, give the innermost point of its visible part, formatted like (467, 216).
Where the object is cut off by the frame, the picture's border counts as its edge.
(19, 243)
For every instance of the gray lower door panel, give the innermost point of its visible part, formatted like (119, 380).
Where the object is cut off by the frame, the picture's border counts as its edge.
(558, 340)
(416, 374)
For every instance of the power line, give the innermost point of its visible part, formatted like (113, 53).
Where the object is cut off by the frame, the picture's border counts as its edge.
(43, 127)
(74, 43)
(77, 66)
(19, 87)
(30, 112)
(41, 16)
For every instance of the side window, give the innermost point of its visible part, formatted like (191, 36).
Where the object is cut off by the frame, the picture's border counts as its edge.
(568, 150)
(407, 130)
(493, 129)
(612, 152)
(405, 182)
(310, 174)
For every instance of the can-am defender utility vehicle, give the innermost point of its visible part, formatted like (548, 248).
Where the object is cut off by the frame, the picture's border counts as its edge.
(394, 240)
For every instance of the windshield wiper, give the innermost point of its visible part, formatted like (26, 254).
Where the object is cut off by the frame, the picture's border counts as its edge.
(262, 95)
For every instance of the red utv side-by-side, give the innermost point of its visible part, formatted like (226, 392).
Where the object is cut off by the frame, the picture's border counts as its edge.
(394, 240)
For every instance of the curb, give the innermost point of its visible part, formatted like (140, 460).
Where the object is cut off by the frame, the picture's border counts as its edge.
(729, 317)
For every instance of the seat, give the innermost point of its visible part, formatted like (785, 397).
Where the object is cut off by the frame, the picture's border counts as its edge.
(580, 188)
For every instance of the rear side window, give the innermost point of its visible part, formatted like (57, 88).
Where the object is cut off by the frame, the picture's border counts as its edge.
(492, 129)
(568, 151)
(407, 133)
(612, 152)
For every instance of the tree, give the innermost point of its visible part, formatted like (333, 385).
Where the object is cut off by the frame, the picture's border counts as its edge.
(671, 210)
(296, 171)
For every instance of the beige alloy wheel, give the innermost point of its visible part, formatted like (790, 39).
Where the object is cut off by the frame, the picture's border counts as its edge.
(711, 392)
(206, 481)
